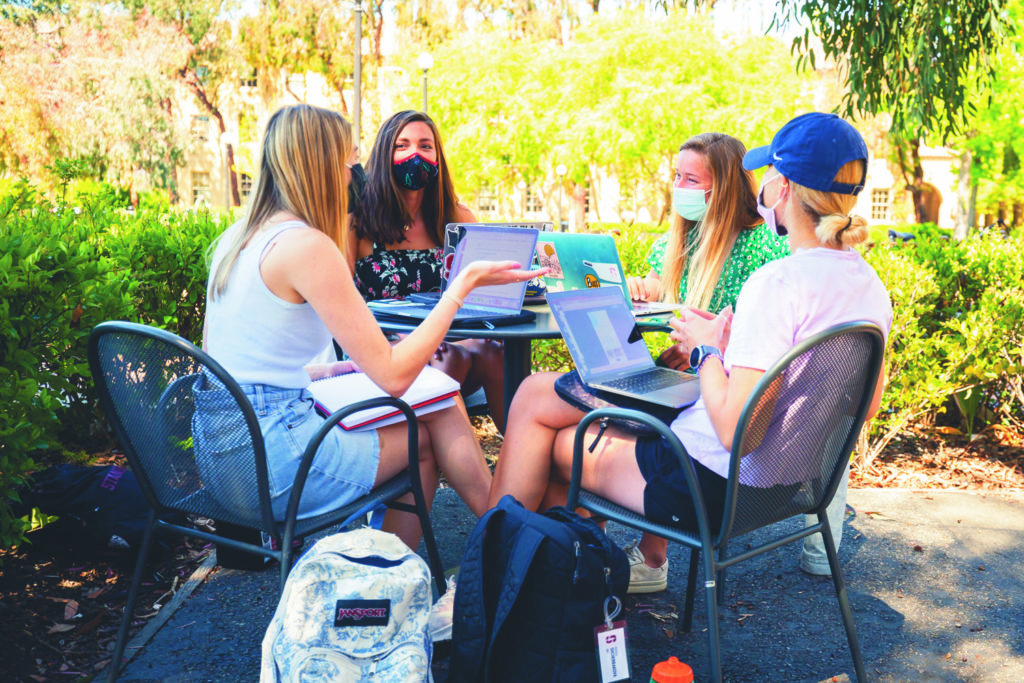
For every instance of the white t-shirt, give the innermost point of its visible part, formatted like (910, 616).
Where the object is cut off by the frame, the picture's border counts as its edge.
(257, 336)
(783, 303)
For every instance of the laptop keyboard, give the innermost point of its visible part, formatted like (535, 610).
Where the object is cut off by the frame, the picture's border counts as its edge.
(645, 382)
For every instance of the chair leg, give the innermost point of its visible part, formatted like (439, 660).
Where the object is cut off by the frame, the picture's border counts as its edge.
(844, 602)
(711, 595)
(433, 556)
(114, 668)
(720, 578)
(691, 589)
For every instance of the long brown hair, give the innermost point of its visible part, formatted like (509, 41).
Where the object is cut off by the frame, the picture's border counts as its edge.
(302, 170)
(732, 207)
(382, 214)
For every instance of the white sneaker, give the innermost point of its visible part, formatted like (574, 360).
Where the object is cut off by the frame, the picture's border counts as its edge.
(440, 625)
(644, 579)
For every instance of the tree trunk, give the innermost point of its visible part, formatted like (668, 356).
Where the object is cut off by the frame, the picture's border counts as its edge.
(972, 218)
(909, 153)
(962, 222)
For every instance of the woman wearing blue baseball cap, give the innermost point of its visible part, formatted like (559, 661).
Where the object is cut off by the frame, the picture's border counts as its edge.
(817, 164)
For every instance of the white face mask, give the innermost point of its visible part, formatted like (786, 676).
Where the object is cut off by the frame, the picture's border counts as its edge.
(768, 212)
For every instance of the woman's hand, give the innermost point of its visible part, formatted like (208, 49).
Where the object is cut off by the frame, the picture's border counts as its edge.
(695, 327)
(484, 273)
(644, 288)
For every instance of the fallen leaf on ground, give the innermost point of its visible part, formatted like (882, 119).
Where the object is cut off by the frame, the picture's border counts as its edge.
(70, 610)
(61, 628)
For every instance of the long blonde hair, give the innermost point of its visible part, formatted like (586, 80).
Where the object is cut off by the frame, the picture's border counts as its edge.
(302, 170)
(830, 210)
(732, 207)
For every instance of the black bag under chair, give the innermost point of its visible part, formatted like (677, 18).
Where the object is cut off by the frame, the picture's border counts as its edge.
(531, 589)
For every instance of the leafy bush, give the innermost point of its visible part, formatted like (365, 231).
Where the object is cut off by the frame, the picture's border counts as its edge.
(62, 271)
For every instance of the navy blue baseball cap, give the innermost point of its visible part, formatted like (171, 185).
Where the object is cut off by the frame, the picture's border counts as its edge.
(810, 150)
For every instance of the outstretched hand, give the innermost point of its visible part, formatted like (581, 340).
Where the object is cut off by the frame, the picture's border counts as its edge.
(484, 273)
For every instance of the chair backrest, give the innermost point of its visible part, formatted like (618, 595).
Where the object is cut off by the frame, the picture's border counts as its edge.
(799, 426)
(188, 431)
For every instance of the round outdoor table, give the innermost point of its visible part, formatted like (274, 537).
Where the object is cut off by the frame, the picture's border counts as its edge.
(517, 339)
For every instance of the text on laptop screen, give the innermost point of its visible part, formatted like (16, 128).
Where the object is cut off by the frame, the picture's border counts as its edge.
(600, 331)
(495, 244)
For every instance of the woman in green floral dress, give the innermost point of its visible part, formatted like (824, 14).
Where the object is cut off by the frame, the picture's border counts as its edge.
(717, 239)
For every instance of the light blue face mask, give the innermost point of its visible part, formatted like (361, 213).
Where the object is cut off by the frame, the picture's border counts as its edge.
(689, 203)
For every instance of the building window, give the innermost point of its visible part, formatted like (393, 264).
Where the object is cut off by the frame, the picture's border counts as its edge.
(533, 203)
(200, 188)
(245, 185)
(247, 124)
(487, 201)
(200, 128)
(586, 200)
(250, 80)
(880, 205)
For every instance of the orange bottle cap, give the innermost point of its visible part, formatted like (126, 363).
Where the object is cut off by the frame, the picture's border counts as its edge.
(672, 671)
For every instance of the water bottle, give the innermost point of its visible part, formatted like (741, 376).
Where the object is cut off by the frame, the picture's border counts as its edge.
(671, 671)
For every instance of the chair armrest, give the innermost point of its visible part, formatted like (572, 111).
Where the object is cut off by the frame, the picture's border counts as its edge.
(670, 439)
(331, 423)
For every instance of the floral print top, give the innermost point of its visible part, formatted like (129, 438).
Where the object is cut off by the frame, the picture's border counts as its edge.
(397, 273)
(753, 248)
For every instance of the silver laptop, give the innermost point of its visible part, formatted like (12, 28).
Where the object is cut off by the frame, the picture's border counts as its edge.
(493, 304)
(609, 351)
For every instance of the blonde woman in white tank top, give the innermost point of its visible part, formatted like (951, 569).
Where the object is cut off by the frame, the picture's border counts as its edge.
(280, 289)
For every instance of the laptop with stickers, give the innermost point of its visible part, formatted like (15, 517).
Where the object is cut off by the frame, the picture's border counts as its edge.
(588, 260)
(489, 306)
(609, 351)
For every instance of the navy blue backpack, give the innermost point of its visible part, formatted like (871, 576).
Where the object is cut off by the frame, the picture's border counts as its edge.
(530, 591)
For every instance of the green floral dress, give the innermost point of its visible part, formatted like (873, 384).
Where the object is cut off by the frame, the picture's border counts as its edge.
(754, 248)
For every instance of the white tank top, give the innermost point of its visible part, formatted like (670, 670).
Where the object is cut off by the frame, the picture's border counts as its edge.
(257, 336)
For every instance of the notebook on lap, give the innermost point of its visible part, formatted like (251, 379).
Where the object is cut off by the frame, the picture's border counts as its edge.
(587, 260)
(609, 351)
(487, 306)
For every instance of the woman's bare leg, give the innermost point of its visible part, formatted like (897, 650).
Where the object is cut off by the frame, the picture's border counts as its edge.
(536, 416)
(446, 441)
(394, 458)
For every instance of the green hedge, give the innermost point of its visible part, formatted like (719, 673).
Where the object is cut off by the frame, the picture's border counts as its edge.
(64, 269)
(959, 315)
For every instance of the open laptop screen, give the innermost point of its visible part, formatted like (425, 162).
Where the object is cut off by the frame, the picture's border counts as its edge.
(492, 243)
(600, 331)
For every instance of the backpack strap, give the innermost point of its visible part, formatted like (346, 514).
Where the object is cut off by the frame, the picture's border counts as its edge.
(528, 541)
(469, 647)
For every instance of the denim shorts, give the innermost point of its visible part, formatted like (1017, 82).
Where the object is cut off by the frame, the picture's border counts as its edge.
(344, 468)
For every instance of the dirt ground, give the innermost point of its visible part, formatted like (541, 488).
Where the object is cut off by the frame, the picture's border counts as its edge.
(60, 604)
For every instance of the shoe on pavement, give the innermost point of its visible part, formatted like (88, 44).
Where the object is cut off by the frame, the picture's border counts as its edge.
(440, 625)
(644, 579)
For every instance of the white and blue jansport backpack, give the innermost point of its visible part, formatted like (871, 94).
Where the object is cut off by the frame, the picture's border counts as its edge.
(354, 608)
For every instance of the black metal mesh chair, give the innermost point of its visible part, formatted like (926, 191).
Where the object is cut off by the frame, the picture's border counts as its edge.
(148, 382)
(791, 446)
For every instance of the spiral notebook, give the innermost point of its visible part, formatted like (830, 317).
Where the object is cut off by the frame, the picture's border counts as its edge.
(432, 390)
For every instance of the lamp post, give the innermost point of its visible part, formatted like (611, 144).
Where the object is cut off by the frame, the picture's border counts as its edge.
(560, 171)
(426, 63)
(357, 74)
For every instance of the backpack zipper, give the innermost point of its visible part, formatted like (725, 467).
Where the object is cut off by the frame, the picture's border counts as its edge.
(576, 563)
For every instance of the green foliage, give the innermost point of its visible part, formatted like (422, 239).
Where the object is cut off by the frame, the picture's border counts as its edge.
(62, 272)
(917, 59)
(958, 327)
(619, 98)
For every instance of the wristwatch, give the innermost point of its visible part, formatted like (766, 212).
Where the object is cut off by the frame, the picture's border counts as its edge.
(701, 353)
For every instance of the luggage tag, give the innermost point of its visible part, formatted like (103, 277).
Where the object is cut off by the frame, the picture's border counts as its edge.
(612, 651)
